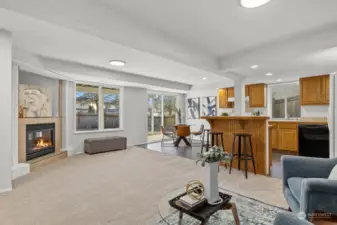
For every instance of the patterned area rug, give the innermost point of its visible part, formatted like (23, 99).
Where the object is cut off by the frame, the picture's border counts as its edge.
(251, 212)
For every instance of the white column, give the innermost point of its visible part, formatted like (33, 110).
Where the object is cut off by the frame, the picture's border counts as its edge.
(15, 110)
(6, 114)
(239, 95)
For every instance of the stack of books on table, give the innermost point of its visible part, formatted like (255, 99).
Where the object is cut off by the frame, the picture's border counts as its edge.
(191, 204)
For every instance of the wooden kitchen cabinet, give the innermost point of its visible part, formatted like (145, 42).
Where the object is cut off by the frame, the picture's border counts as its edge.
(223, 95)
(327, 88)
(315, 90)
(274, 139)
(230, 92)
(284, 136)
(288, 139)
(246, 90)
(257, 95)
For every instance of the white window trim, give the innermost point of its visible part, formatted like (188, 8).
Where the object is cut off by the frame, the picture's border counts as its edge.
(100, 117)
(270, 100)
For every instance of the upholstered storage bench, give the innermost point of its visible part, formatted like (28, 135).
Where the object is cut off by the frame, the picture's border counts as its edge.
(104, 144)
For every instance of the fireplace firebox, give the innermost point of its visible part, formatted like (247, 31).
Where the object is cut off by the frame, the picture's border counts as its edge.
(40, 140)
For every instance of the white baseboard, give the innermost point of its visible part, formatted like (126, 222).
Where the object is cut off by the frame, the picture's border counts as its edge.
(71, 151)
(20, 170)
(5, 190)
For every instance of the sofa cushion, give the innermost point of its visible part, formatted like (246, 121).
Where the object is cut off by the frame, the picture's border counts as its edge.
(333, 173)
(295, 185)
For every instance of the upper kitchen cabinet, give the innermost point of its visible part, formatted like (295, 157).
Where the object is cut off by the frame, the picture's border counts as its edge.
(256, 95)
(315, 90)
(223, 95)
(230, 92)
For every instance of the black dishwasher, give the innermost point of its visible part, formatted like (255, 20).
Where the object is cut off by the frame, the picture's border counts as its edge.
(313, 140)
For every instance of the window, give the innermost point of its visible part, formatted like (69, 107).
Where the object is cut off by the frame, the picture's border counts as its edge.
(97, 108)
(86, 107)
(286, 101)
(111, 107)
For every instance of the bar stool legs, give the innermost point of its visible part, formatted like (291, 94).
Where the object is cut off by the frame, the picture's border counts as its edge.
(252, 154)
(245, 155)
(203, 140)
(215, 136)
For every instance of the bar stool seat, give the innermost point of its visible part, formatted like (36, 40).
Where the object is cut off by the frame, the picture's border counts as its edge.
(245, 155)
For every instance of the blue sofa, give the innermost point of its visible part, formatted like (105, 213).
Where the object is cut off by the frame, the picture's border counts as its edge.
(287, 218)
(305, 184)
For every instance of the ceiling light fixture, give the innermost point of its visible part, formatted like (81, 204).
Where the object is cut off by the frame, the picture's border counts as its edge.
(279, 80)
(253, 3)
(269, 74)
(254, 66)
(204, 78)
(118, 63)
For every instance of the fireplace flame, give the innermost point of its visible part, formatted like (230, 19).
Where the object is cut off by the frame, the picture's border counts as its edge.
(41, 143)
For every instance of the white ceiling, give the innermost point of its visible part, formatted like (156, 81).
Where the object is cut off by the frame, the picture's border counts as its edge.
(181, 41)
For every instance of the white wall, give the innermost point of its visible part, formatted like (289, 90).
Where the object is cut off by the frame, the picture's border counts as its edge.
(196, 92)
(134, 119)
(315, 111)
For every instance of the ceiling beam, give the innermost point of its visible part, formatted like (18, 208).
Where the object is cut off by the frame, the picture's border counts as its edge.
(291, 48)
(85, 72)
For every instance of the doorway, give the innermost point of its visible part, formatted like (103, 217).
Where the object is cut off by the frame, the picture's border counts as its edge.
(161, 112)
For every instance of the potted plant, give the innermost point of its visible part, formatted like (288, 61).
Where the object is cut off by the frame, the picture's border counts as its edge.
(224, 114)
(210, 160)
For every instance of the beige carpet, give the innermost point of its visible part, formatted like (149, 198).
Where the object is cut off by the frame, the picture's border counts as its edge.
(119, 188)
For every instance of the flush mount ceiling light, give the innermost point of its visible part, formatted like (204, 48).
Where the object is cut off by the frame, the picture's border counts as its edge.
(269, 74)
(254, 66)
(253, 3)
(279, 80)
(204, 78)
(118, 63)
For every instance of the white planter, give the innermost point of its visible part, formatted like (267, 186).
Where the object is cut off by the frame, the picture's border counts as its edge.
(212, 184)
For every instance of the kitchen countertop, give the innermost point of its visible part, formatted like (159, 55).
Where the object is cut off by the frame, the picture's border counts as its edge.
(235, 117)
(301, 121)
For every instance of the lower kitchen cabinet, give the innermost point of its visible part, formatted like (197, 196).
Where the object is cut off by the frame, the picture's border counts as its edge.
(288, 139)
(284, 136)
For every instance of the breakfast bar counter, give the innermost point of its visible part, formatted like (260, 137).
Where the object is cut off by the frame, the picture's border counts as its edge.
(254, 125)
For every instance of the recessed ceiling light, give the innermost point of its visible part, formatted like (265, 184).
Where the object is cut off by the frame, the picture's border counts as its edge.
(253, 3)
(269, 74)
(254, 66)
(204, 78)
(118, 63)
(279, 80)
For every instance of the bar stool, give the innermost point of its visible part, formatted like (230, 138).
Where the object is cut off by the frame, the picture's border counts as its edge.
(214, 137)
(245, 156)
(207, 145)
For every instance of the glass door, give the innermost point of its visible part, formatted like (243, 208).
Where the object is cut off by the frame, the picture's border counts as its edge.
(161, 112)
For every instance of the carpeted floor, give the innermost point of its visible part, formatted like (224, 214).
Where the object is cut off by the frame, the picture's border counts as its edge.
(119, 188)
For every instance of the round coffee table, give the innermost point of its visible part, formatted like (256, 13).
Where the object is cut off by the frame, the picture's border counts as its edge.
(172, 216)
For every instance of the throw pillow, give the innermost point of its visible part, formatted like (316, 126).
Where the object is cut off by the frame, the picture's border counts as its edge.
(333, 174)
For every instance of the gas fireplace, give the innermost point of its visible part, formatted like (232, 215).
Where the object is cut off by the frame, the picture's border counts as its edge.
(40, 140)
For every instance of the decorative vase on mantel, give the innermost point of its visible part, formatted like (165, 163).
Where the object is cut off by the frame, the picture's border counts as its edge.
(210, 160)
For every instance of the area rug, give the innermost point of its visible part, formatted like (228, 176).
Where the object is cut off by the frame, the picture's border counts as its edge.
(251, 212)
